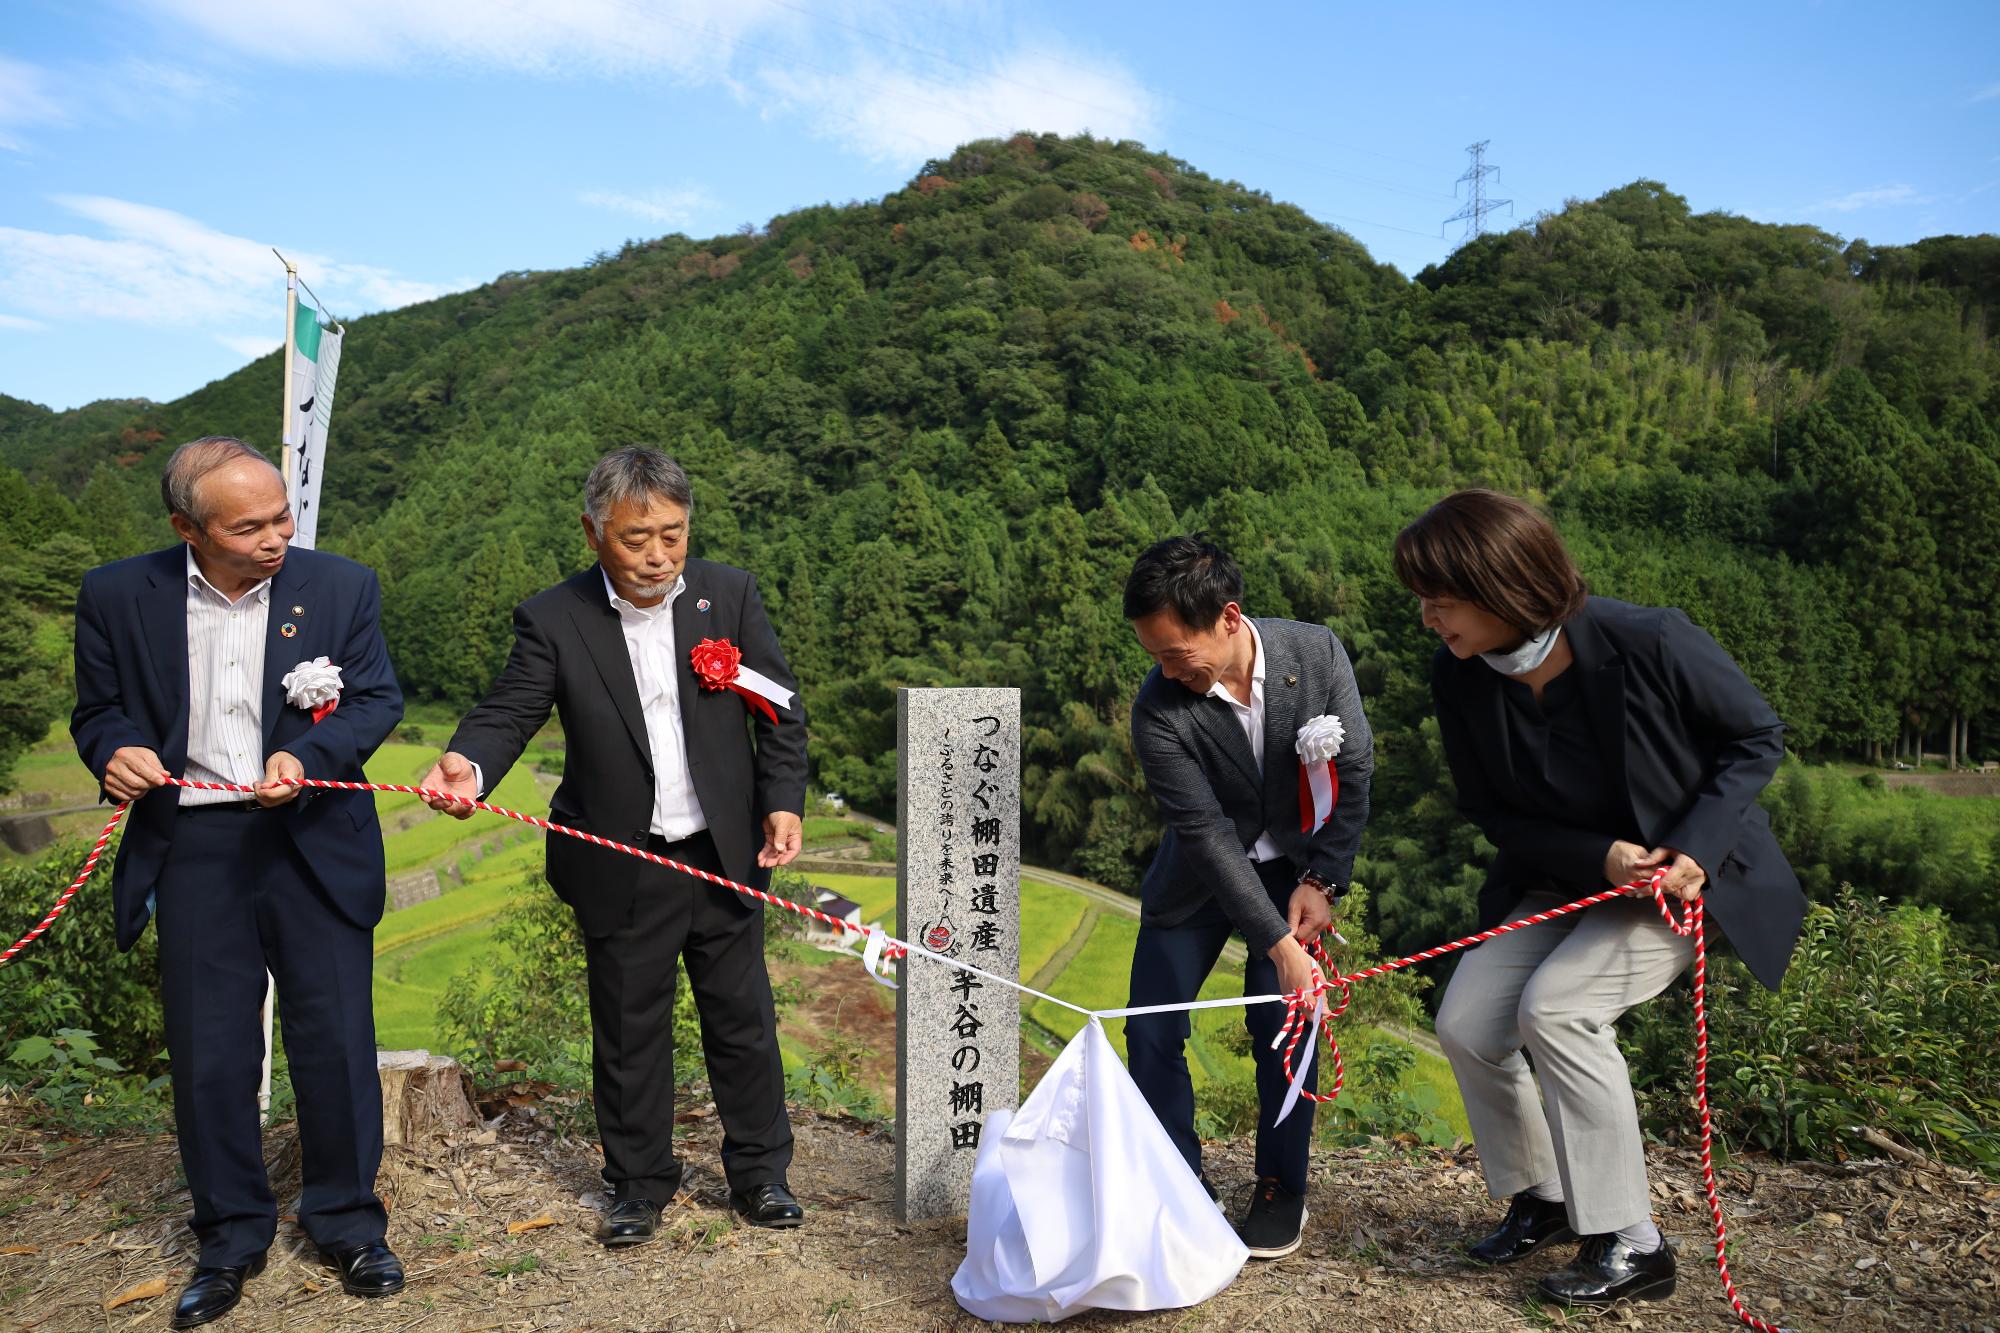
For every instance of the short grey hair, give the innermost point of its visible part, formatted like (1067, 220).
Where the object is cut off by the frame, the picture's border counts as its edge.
(634, 473)
(195, 460)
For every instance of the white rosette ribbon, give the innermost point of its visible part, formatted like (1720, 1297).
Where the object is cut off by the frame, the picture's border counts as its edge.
(1319, 787)
(313, 686)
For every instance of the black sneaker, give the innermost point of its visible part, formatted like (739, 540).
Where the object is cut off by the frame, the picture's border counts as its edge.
(1276, 1221)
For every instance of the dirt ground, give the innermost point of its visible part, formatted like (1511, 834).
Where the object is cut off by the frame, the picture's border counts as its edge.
(496, 1229)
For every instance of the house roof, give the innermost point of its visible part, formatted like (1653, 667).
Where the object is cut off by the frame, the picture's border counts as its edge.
(834, 904)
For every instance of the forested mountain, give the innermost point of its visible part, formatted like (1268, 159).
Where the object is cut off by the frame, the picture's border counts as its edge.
(940, 425)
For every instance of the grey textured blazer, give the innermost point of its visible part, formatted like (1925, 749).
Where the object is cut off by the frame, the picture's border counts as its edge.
(1215, 803)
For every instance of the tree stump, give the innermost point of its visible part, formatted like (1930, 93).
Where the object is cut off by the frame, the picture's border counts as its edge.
(424, 1097)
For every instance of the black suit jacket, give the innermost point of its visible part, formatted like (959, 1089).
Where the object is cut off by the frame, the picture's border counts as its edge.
(132, 689)
(1214, 802)
(1688, 742)
(569, 654)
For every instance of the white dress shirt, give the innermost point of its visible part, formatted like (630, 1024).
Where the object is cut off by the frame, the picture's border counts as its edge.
(1250, 717)
(225, 646)
(649, 639)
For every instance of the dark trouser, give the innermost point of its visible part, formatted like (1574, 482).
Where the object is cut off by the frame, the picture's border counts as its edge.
(720, 936)
(1168, 966)
(235, 898)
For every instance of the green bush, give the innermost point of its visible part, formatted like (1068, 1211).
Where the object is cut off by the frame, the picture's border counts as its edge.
(1909, 845)
(831, 1079)
(74, 976)
(527, 1000)
(1381, 1101)
(1884, 1021)
(79, 1088)
(1393, 999)
(1227, 1108)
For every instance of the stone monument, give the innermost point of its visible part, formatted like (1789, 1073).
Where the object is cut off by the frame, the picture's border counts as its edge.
(958, 893)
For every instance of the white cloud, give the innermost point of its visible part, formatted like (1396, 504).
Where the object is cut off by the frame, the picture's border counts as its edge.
(21, 324)
(130, 89)
(878, 76)
(146, 87)
(153, 266)
(26, 98)
(897, 114)
(667, 207)
(1988, 93)
(1884, 196)
(578, 36)
(249, 346)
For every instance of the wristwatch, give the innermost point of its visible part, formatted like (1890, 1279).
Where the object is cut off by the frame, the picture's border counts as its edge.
(1314, 881)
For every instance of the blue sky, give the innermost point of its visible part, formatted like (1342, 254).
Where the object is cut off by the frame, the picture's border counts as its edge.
(151, 151)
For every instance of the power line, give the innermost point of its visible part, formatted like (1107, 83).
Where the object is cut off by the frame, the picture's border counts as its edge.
(1477, 205)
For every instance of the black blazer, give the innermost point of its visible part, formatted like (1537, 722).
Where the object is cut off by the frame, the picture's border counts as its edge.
(569, 654)
(1688, 741)
(1215, 804)
(132, 689)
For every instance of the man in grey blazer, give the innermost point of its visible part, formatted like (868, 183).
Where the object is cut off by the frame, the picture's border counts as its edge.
(1214, 727)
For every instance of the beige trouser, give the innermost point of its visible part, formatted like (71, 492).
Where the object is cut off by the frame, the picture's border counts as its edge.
(1558, 988)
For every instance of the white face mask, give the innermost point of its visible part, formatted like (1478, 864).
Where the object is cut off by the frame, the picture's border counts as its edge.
(1525, 658)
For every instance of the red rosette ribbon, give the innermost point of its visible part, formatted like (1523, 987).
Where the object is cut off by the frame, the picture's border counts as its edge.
(717, 663)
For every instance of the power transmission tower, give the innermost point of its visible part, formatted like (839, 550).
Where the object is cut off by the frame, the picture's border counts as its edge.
(1477, 205)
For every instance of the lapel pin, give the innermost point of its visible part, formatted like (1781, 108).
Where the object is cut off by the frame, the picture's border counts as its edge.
(288, 629)
(298, 610)
(1291, 680)
(701, 604)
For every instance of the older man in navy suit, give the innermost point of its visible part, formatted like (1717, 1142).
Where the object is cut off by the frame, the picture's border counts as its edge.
(181, 662)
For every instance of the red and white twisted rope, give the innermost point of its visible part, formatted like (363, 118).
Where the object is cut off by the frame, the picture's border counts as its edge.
(1298, 1006)
(89, 865)
(892, 951)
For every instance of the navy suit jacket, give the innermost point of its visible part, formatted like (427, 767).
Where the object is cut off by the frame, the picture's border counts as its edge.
(1215, 803)
(132, 689)
(569, 655)
(1688, 743)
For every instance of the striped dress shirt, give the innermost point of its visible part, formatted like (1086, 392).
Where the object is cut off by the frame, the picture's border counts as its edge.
(225, 686)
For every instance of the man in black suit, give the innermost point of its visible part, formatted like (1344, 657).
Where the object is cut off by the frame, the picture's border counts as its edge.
(660, 755)
(1218, 730)
(184, 659)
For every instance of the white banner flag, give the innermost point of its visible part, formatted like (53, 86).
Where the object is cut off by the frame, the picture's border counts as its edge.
(315, 361)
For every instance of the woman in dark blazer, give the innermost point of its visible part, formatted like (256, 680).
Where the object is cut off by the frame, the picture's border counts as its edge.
(1594, 743)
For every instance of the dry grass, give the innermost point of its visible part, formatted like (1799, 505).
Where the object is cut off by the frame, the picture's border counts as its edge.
(1854, 1246)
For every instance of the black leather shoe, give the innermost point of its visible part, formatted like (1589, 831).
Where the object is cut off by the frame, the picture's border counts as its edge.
(1209, 1185)
(1606, 1270)
(366, 1270)
(631, 1222)
(1530, 1224)
(213, 1292)
(769, 1205)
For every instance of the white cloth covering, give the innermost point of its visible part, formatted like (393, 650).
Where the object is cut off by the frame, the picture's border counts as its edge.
(1081, 1202)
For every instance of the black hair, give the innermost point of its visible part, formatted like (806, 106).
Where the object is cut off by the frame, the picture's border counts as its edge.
(1188, 576)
